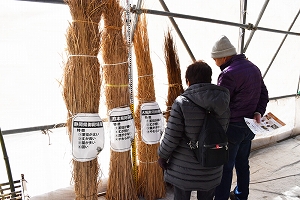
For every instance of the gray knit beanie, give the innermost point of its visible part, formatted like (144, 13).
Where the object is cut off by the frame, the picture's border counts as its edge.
(222, 48)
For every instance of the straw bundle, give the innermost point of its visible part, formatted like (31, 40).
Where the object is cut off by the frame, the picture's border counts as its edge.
(150, 176)
(173, 70)
(120, 184)
(82, 81)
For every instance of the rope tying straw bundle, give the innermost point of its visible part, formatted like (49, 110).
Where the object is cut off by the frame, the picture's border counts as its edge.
(145, 76)
(152, 162)
(84, 21)
(121, 63)
(123, 85)
(175, 85)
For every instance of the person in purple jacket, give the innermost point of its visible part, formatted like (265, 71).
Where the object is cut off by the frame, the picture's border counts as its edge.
(248, 98)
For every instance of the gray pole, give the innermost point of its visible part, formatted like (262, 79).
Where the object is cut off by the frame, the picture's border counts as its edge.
(178, 31)
(9, 175)
(243, 13)
(256, 24)
(246, 26)
(292, 24)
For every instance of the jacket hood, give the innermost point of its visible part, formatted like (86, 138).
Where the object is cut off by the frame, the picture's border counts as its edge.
(209, 96)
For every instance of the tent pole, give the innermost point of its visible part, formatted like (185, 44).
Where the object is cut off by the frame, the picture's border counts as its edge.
(256, 24)
(178, 31)
(243, 12)
(36, 128)
(292, 24)
(5, 156)
(246, 26)
(298, 91)
(138, 6)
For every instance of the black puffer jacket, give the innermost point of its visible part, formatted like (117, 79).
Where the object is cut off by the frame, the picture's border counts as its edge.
(184, 171)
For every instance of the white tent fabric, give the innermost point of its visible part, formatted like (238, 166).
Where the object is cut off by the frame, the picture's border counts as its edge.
(282, 77)
(33, 51)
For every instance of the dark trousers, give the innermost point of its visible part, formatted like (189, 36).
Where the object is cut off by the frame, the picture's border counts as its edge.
(239, 137)
(180, 194)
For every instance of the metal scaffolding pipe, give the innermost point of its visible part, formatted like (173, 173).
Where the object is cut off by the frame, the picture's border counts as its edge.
(169, 14)
(243, 12)
(36, 128)
(292, 24)
(246, 26)
(8, 170)
(256, 24)
(138, 6)
(178, 31)
(282, 97)
(298, 91)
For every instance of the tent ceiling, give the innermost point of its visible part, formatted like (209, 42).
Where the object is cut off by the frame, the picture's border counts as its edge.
(255, 19)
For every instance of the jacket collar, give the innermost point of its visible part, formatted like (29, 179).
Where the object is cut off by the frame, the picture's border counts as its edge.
(226, 64)
(235, 57)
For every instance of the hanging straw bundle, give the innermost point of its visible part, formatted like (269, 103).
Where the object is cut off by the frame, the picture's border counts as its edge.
(82, 81)
(150, 176)
(173, 70)
(120, 184)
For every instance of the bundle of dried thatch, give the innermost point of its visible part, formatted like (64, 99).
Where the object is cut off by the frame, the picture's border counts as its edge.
(121, 184)
(82, 81)
(173, 70)
(150, 176)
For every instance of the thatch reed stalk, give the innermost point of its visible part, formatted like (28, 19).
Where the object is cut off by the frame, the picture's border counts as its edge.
(121, 184)
(173, 70)
(150, 176)
(82, 81)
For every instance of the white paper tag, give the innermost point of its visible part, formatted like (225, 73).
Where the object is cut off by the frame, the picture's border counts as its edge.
(87, 136)
(121, 125)
(151, 123)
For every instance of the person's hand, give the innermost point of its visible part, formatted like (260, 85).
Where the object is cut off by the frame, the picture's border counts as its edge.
(257, 117)
(163, 163)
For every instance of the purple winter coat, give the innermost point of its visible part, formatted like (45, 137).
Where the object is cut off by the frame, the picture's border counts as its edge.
(248, 93)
